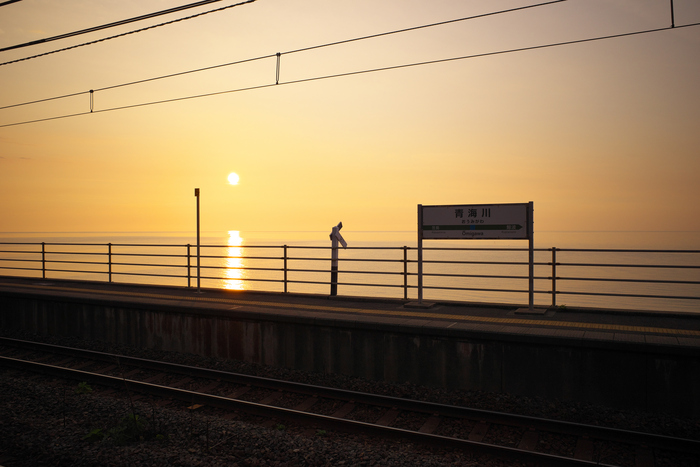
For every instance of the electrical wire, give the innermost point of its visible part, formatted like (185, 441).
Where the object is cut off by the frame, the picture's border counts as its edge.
(8, 2)
(329, 44)
(299, 50)
(125, 33)
(358, 72)
(116, 23)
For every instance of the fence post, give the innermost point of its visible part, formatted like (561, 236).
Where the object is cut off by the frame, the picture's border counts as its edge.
(285, 268)
(109, 256)
(189, 276)
(405, 272)
(43, 260)
(554, 277)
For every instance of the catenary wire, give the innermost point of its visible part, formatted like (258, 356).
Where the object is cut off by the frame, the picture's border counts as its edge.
(114, 24)
(299, 50)
(346, 41)
(126, 33)
(358, 72)
(304, 49)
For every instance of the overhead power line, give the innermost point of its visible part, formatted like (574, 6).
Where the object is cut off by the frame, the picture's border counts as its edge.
(127, 33)
(9, 2)
(304, 49)
(309, 48)
(357, 72)
(114, 24)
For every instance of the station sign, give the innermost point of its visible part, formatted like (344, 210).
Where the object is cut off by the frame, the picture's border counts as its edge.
(478, 221)
(475, 221)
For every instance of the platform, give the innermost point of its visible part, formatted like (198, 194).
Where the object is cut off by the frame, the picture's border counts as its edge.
(665, 328)
(643, 359)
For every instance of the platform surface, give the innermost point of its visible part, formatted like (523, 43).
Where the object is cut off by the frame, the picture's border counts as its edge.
(679, 330)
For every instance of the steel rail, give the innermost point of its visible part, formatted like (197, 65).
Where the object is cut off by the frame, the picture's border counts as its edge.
(496, 263)
(608, 265)
(616, 250)
(473, 289)
(154, 265)
(340, 424)
(235, 268)
(75, 253)
(612, 279)
(612, 294)
(16, 268)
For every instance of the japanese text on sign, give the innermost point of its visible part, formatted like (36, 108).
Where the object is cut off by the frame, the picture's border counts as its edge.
(493, 221)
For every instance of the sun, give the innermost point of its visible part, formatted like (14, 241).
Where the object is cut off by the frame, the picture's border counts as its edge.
(233, 178)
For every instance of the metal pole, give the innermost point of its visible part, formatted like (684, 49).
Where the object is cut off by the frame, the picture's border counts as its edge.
(43, 260)
(531, 254)
(335, 238)
(285, 268)
(196, 194)
(673, 16)
(109, 256)
(420, 253)
(554, 277)
(405, 272)
(189, 255)
(334, 267)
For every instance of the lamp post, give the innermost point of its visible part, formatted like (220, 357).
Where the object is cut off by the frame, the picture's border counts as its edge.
(196, 194)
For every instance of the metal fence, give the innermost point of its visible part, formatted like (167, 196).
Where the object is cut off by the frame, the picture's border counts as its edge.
(463, 274)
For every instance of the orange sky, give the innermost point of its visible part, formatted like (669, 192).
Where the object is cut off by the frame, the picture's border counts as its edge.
(600, 135)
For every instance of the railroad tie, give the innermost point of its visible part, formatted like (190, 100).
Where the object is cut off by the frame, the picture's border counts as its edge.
(81, 365)
(307, 404)
(239, 392)
(182, 382)
(478, 432)
(133, 372)
(529, 440)
(209, 387)
(584, 449)
(644, 457)
(272, 398)
(430, 424)
(388, 418)
(155, 378)
(344, 410)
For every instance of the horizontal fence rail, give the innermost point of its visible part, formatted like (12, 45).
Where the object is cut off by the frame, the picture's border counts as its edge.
(609, 278)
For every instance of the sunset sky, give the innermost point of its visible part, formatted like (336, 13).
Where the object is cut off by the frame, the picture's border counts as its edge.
(601, 135)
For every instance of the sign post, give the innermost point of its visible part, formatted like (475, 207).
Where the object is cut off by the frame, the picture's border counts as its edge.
(196, 194)
(335, 238)
(477, 222)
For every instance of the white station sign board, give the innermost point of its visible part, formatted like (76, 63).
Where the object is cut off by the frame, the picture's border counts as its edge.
(478, 221)
(475, 221)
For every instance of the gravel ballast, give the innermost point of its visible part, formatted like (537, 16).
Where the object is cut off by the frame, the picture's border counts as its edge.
(50, 422)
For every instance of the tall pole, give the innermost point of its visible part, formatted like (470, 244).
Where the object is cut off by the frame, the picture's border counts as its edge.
(420, 253)
(196, 194)
(531, 254)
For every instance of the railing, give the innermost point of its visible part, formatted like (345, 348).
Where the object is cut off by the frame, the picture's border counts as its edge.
(638, 279)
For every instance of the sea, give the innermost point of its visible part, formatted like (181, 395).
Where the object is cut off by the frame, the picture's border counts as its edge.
(633, 270)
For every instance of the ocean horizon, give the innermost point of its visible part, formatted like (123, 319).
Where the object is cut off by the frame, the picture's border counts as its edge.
(606, 239)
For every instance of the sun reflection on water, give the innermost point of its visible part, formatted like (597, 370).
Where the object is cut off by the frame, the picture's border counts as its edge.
(234, 272)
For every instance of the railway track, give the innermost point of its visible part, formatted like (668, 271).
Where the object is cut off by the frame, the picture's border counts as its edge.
(527, 439)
